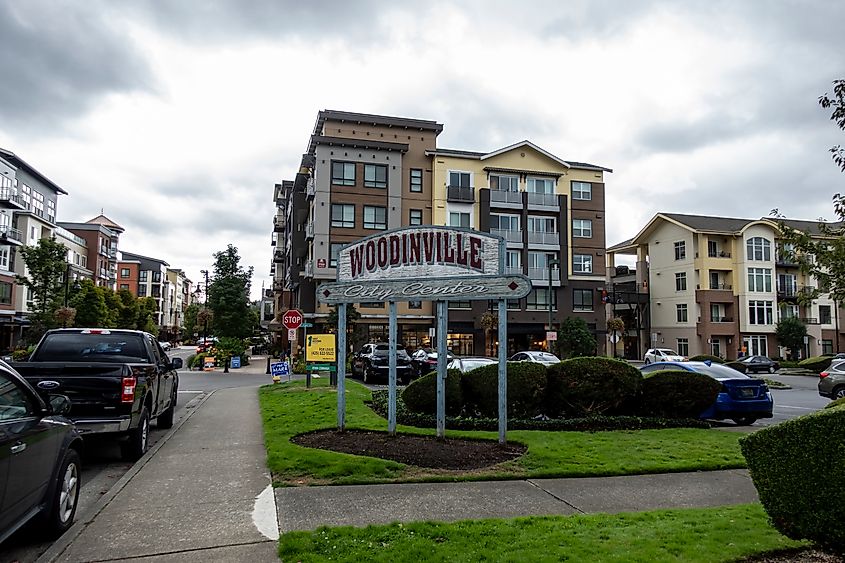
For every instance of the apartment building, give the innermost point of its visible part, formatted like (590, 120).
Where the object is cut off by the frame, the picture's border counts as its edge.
(362, 174)
(178, 297)
(716, 285)
(146, 277)
(101, 236)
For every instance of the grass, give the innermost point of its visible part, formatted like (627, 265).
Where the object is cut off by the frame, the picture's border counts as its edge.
(292, 409)
(690, 535)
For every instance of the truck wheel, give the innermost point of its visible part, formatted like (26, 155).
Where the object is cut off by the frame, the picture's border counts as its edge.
(165, 419)
(136, 446)
(61, 509)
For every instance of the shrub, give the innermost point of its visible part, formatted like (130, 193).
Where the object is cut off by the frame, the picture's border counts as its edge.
(816, 364)
(22, 354)
(197, 360)
(705, 357)
(677, 394)
(421, 395)
(836, 403)
(788, 364)
(798, 467)
(738, 366)
(591, 386)
(190, 361)
(526, 389)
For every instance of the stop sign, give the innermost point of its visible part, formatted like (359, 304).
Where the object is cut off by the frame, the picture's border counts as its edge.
(292, 319)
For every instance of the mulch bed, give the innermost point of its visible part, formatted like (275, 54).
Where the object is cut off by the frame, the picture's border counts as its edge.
(412, 449)
(799, 555)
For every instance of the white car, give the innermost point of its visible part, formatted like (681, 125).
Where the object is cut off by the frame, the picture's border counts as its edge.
(166, 346)
(662, 355)
(544, 358)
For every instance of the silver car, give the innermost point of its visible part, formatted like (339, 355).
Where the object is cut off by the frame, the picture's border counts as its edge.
(832, 381)
(544, 358)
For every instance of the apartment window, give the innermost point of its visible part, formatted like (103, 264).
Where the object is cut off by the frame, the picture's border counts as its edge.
(343, 173)
(156, 277)
(513, 260)
(26, 196)
(460, 305)
(542, 225)
(582, 264)
(416, 179)
(415, 217)
(759, 279)
(375, 217)
(504, 222)
(824, 314)
(462, 179)
(414, 304)
(459, 219)
(142, 291)
(582, 300)
(38, 203)
(373, 305)
(582, 191)
(124, 272)
(716, 313)
(712, 249)
(334, 251)
(343, 215)
(827, 347)
(760, 312)
(375, 176)
(51, 210)
(681, 313)
(156, 291)
(538, 299)
(683, 346)
(681, 281)
(5, 293)
(582, 228)
(540, 260)
(788, 311)
(759, 248)
(124, 286)
(714, 280)
(755, 345)
(4, 258)
(540, 185)
(680, 250)
(142, 275)
(504, 183)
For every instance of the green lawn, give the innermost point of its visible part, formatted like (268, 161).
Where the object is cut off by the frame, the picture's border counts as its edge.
(291, 409)
(690, 535)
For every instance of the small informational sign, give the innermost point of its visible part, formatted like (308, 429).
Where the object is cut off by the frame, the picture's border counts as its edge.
(280, 369)
(431, 332)
(291, 334)
(321, 262)
(235, 362)
(331, 368)
(320, 348)
(208, 363)
(614, 337)
(551, 335)
(307, 325)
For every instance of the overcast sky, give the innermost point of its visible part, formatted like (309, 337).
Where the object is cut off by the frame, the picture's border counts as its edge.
(177, 117)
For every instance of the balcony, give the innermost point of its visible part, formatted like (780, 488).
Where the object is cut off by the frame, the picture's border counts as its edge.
(793, 292)
(309, 269)
(310, 188)
(279, 222)
(113, 253)
(543, 238)
(543, 201)
(104, 250)
(508, 199)
(809, 320)
(718, 254)
(278, 256)
(511, 237)
(515, 271)
(279, 194)
(9, 235)
(540, 276)
(12, 198)
(717, 286)
(309, 230)
(722, 320)
(783, 261)
(278, 285)
(460, 194)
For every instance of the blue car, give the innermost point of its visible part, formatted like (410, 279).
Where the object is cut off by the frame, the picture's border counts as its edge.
(742, 399)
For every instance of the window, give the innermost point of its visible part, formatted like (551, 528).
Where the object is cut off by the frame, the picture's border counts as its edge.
(334, 250)
(375, 176)
(38, 203)
(460, 305)
(683, 347)
(759, 248)
(824, 314)
(459, 219)
(540, 185)
(760, 312)
(4, 257)
(582, 300)
(582, 264)
(540, 260)
(788, 311)
(343, 173)
(375, 217)
(759, 279)
(343, 215)
(124, 272)
(51, 210)
(5, 293)
(414, 304)
(156, 277)
(538, 299)
(542, 225)
(373, 305)
(712, 249)
(513, 260)
(142, 291)
(462, 179)
(716, 314)
(124, 286)
(827, 347)
(680, 250)
(415, 217)
(142, 276)
(582, 228)
(14, 400)
(504, 183)
(681, 313)
(26, 196)
(681, 281)
(504, 222)
(582, 191)
(156, 291)
(416, 179)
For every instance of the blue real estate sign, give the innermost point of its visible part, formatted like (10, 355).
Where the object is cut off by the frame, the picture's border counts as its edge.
(235, 362)
(280, 368)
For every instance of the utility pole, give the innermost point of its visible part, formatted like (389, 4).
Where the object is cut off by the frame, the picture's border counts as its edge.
(205, 324)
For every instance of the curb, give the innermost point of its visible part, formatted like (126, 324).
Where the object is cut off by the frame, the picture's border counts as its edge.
(60, 545)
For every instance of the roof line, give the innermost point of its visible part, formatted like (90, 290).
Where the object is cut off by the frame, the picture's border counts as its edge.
(32, 170)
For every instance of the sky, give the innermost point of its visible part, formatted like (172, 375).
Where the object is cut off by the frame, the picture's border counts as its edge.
(176, 118)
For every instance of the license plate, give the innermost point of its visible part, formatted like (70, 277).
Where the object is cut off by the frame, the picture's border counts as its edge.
(747, 392)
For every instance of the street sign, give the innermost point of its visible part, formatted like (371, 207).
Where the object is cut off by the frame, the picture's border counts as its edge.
(291, 334)
(307, 325)
(320, 348)
(280, 368)
(551, 335)
(331, 368)
(292, 319)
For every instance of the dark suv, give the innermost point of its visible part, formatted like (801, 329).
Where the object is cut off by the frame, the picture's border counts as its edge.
(372, 362)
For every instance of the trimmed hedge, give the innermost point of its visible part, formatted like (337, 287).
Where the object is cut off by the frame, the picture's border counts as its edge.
(591, 386)
(738, 366)
(705, 357)
(836, 403)
(798, 467)
(677, 394)
(817, 363)
(421, 395)
(526, 389)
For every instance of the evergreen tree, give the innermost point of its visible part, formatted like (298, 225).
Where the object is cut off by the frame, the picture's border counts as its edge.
(47, 265)
(128, 311)
(114, 307)
(90, 305)
(146, 315)
(228, 295)
(575, 339)
(189, 326)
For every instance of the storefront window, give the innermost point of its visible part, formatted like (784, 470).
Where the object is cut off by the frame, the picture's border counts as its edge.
(460, 344)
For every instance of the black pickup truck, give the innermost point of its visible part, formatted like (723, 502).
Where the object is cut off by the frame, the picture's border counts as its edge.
(117, 381)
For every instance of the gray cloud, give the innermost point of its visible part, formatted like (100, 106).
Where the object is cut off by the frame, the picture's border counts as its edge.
(58, 58)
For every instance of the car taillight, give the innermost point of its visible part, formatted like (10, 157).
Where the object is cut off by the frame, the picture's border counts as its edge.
(823, 374)
(127, 389)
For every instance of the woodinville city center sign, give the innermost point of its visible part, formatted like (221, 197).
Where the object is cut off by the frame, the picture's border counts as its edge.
(423, 263)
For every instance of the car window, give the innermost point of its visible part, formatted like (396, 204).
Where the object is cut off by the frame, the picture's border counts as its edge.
(14, 402)
(667, 352)
(718, 371)
(81, 347)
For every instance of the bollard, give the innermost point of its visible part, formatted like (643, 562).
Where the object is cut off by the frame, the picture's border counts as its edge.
(268, 365)
(226, 365)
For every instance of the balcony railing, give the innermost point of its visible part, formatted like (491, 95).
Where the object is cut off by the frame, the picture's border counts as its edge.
(539, 237)
(722, 320)
(112, 252)
(7, 194)
(513, 271)
(278, 256)
(502, 196)
(278, 285)
(10, 233)
(809, 320)
(785, 261)
(509, 236)
(718, 254)
(460, 194)
(719, 286)
(542, 275)
(309, 269)
(542, 200)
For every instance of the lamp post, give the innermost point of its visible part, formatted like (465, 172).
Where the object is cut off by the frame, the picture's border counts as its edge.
(205, 324)
(551, 263)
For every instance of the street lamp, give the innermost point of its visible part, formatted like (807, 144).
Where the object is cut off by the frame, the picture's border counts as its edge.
(205, 324)
(551, 263)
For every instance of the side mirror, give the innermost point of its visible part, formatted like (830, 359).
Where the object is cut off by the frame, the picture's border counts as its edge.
(176, 363)
(60, 404)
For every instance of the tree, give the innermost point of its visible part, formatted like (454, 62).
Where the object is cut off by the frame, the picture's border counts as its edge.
(790, 333)
(90, 304)
(114, 307)
(46, 263)
(575, 339)
(127, 313)
(228, 295)
(146, 315)
(189, 326)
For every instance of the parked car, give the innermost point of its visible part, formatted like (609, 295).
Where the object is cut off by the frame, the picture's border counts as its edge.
(118, 381)
(545, 358)
(424, 361)
(662, 355)
(742, 399)
(759, 364)
(40, 464)
(832, 381)
(469, 363)
(372, 362)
